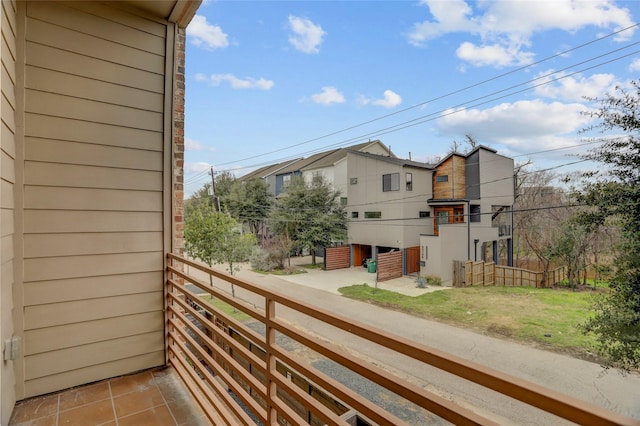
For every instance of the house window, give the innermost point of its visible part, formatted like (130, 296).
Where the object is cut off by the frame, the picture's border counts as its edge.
(353, 181)
(443, 217)
(442, 178)
(372, 215)
(343, 201)
(409, 182)
(474, 213)
(391, 182)
(354, 215)
(424, 214)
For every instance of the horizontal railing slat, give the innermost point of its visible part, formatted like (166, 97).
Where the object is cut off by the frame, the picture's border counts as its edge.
(357, 401)
(307, 401)
(534, 395)
(257, 386)
(256, 362)
(437, 405)
(214, 399)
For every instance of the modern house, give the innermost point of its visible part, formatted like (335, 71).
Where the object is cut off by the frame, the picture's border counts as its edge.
(269, 173)
(92, 115)
(471, 207)
(458, 209)
(333, 166)
(386, 206)
(329, 164)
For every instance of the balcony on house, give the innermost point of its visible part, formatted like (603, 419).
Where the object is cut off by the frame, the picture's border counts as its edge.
(95, 327)
(244, 361)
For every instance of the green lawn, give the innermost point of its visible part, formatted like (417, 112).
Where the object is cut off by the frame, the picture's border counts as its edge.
(543, 316)
(226, 308)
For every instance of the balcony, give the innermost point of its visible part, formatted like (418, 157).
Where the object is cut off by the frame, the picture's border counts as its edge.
(263, 368)
(152, 397)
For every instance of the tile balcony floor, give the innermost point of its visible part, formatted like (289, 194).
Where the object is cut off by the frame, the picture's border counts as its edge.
(152, 397)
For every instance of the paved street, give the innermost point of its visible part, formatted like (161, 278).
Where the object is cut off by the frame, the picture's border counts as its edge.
(581, 379)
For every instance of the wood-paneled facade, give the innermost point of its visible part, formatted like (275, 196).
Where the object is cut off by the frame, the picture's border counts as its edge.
(87, 188)
(449, 178)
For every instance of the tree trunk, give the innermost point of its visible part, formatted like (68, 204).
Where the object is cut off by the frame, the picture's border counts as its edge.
(313, 256)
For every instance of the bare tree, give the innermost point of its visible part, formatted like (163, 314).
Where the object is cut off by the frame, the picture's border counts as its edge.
(541, 208)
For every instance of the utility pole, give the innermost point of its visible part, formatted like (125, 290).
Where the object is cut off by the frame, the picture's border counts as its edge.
(216, 200)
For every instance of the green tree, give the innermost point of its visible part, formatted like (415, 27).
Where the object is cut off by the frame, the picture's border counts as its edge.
(310, 214)
(224, 182)
(215, 237)
(614, 195)
(250, 203)
(199, 198)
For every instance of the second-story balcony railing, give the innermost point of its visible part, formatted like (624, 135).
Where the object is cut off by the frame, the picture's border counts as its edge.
(259, 371)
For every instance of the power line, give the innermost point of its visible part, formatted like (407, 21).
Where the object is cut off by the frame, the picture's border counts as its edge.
(560, 54)
(445, 112)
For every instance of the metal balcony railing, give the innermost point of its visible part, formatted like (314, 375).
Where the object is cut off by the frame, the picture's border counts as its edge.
(252, 372)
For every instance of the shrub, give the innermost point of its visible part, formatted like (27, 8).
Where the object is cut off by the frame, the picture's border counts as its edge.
(427, 280)
(262, 260)
(434, 280)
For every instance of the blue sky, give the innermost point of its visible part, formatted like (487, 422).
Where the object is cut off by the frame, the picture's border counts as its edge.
(273, 80)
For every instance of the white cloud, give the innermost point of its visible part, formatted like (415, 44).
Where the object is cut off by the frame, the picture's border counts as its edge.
(307, 36)
(449, 16)
(198, 167)
(635, 65)
(494, 54)
(574, 88)
(194, 145)
(525, 125)
(329, 95)
(505, 27)
(390, 100)
(236, 82)
(201, 33)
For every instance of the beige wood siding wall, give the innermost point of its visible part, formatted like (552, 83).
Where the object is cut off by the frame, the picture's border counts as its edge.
(93, 193)
(7, 181)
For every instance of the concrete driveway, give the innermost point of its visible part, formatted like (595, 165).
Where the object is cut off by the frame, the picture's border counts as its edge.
(317, 278)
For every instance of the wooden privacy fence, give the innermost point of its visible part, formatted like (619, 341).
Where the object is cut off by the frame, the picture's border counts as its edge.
(488, 273)
(389, 265)
(337, 258)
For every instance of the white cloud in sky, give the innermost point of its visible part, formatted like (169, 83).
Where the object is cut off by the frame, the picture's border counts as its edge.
(635, 65)
(329, 95)
(204, 34)
(194, 145)
(306, 36)
(573, 88)
(197, 167)
(493, 55)
(529, 125)
(390, 100)
(236, 82)
(505, 27)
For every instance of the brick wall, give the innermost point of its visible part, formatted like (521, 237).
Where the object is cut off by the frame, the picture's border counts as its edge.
(178, 144)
